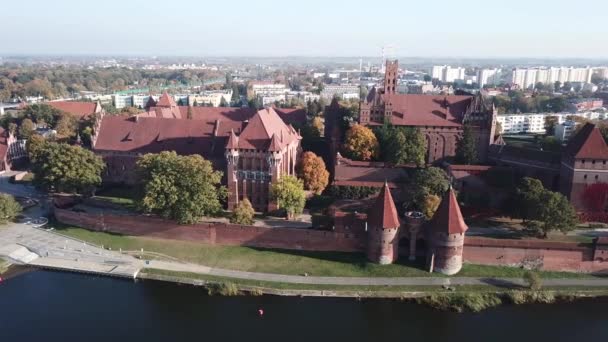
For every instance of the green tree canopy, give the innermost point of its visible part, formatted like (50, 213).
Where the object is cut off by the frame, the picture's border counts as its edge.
(9, 208)
(26, 129)
(65, 168)
(466, 147)
(181, 188)
(401, 145)
(543, 210)
(424, 182)
(289, 194)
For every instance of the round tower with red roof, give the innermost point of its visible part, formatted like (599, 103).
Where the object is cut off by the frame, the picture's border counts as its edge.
(446, 235)
(383, 229)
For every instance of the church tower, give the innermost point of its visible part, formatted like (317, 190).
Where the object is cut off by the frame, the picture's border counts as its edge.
(390, 77)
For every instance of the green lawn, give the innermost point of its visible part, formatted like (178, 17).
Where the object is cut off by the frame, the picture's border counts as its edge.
(284, 261)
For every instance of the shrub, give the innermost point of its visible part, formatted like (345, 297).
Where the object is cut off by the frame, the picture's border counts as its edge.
(243, 213)
(474, 302)
(9, 208)
(223, 289)
(533, 280)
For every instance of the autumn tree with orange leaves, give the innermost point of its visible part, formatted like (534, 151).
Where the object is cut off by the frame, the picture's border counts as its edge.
(360, 143)
(312, 171)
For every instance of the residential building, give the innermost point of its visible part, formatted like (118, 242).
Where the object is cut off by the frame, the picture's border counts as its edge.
(447, 74)
(343, 91)
(527, 78)
(213, 98)
(577, 105)
(535, 122)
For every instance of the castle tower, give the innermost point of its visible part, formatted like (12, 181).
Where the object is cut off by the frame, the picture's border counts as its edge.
(447, 230)
(390, 77)
(275, 165)
(383, 223)
(232, 161)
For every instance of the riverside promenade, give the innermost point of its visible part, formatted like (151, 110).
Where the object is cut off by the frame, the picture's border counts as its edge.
(26, 245)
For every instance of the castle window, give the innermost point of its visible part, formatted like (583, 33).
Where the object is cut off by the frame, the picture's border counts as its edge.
(585, 177)
(583, 162)
(596, 177)
(593, 162)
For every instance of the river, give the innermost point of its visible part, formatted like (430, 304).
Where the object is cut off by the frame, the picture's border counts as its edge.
(53, 306)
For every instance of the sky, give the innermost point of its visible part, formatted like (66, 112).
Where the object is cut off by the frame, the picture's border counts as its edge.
(424, 28)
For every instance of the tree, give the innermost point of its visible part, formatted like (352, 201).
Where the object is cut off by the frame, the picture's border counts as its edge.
(9, 208)
(527, 195)
(553, 211)
(42, 113)
(317, 126)
(558, 85)
(65, 168)
(67, 126)
(34, 146)
(360, 143)
(401, 145)
(466, 147)
(223, 102)
(26, 129)
(543, 210)
(312, 171)
(181, 188)
(427, 78)
(429, 205)
(289, 194)
(550, 123)
(426, 181)
(534, 280)
(243, 213)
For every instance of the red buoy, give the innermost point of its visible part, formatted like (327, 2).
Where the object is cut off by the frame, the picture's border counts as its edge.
(260, 312)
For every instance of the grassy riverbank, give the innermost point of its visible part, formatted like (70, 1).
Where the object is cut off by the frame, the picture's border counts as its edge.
(457, 298)
(288, 262)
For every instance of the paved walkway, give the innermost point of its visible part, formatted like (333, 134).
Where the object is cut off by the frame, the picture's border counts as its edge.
(59, 252)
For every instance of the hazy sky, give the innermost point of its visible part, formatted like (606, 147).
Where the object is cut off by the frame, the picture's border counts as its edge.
(433, 28)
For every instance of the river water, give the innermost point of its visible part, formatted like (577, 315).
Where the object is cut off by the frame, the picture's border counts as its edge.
(53, 306)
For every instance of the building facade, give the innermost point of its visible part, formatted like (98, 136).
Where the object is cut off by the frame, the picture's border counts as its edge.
(440, 118)
(253, 149)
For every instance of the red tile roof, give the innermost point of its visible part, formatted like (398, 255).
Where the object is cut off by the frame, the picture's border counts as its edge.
(374, 174)
(448, 218)
(207, 135)
(233, 140)
(588, 143)
(428, 110)
(79, 109)
(263, 125)
(383, 213)
(166, 101)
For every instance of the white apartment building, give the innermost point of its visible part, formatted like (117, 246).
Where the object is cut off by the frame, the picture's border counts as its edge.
(488, 76)
(267, 89)
(535, 122)
(447, 74)
(344, 91)
(213, 98)
(528, 78)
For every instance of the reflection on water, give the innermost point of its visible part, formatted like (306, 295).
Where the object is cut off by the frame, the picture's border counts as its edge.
(51, 306)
